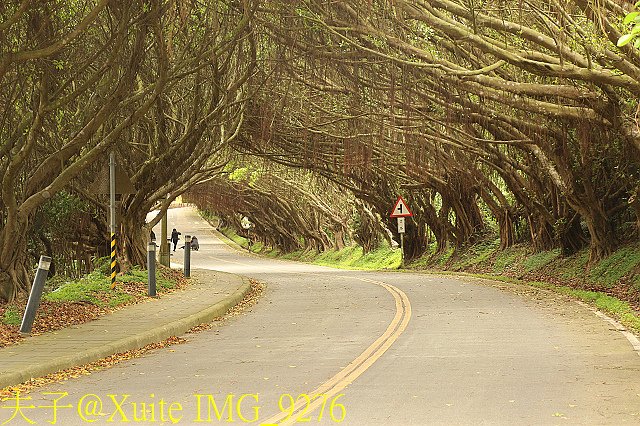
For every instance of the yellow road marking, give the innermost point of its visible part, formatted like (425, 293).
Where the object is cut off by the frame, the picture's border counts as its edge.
(359, 365)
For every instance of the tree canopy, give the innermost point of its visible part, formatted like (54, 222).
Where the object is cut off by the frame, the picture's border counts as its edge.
(518, 117)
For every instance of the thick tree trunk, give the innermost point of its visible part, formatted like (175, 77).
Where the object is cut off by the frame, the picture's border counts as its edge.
(134, 237)
(468, 221)
(542, 236)
(602, 236)
(7, 289)
(503, 214)
(440, 229)
(570, 236)
(414, 239)
(601, 232)
(367, 234)
(14, 277)
(436, 224)
(338, 236)
(507, 230)
(322, 241)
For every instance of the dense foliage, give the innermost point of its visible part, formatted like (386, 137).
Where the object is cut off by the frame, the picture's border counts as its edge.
(514, 115)
(161, 83)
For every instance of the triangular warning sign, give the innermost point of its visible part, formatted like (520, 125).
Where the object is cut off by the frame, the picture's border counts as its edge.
(400, 209)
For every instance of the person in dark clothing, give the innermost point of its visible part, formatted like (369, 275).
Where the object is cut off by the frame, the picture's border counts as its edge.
(175, 238)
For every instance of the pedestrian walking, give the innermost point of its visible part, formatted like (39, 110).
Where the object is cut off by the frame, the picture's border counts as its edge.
(175, 238)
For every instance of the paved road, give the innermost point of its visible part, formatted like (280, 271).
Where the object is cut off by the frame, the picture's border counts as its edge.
(384, 348)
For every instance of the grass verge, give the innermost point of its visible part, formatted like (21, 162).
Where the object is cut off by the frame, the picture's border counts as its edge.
(350, 257)
(79, 301)
(95, 288)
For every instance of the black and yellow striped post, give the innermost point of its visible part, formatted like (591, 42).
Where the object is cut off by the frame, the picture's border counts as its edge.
(112, 215)
(113, 260)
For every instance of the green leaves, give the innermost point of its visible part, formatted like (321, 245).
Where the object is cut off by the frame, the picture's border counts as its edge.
(631, 17)
(625, 39)
(11, 316)
(634, 19)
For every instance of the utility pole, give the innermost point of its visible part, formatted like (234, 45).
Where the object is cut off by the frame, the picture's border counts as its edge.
(112, 214)
(401, 249)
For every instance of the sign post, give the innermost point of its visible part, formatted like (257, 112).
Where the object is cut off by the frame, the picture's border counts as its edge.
(401, 211)
(401, 232)
(112, 180)
(151, 269)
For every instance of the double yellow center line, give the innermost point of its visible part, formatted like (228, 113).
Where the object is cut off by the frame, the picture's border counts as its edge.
(359, 365)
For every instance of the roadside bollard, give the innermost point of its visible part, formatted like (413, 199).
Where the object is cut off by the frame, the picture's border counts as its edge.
(151, 268)
(187, 256)
(36, 294)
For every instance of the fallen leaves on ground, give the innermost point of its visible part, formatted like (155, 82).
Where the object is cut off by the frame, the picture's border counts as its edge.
(249, 300)
(620, 290)
(87, 369)
(53, 316)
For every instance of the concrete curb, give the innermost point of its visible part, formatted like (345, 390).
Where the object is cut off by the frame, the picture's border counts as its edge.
(153, 335)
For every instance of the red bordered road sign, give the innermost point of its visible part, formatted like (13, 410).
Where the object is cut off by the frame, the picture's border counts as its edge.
(400, 209)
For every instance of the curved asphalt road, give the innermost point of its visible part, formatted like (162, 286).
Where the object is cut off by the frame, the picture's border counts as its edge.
(385, 348)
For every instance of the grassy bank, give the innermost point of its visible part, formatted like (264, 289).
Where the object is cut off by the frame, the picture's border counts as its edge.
(95, 288)
(66, 303)
(351, 257)
(618, 274)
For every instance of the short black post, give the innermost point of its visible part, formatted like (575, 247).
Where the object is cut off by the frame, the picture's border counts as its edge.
(187, 256)
(36, 294)
(151, 268)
